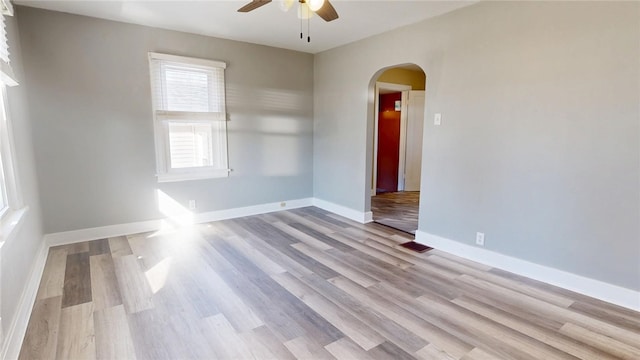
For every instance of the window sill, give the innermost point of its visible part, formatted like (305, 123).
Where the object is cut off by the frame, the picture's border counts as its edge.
(11, 223)
(186, 176)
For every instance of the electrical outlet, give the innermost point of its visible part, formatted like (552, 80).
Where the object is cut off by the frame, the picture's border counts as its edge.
(480, 239)
(192, 204)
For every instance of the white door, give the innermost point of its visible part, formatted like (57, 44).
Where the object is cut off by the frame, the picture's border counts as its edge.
(415, 124)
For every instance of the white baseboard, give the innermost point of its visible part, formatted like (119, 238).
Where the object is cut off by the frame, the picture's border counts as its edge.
(73, 236)
(69, 237)
(361, 217)
(594, 288)
(18, 327)
(252, 210)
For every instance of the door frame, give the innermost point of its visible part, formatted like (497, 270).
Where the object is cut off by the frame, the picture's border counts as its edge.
(404, 89)
(421, 116)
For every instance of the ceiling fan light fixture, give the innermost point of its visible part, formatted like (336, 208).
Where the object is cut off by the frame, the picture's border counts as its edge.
(304, 12)
(285, 5)
(315, 5)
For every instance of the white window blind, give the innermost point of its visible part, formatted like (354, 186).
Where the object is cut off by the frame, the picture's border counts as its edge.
(12, 208)
(6, 73)
(190, 117)
(4, 44)
(6, 78)
(190, 144)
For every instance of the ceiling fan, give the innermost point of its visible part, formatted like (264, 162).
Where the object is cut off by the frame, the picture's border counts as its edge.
(322, 8)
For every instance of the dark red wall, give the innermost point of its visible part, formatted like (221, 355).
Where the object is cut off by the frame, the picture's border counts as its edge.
(388, 143)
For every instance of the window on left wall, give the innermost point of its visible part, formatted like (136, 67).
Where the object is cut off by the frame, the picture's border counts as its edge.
(4, 205)
(9, 197)
(11, 207)
(190, 119)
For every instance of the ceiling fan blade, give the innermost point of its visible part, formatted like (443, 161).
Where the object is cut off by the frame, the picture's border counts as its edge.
(327, 12)
(253, 5)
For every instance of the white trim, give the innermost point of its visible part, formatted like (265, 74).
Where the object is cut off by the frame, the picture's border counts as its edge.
(368, 217)
(594, 288)
(417, 117)
(18, 327)
(251, 210)
(68, 237)
(192, 174)
(73, 236)
(7, 152)
(7, 76)
(187, 60)
(11, 223)
(6, 8)
(374, 149)
(402, 146)
(392, 86)
(355, 215)
(191, 117)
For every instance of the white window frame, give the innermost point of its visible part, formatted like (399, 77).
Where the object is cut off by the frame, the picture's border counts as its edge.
(162, 119)
(12, 214)
(8, 184)
(11, 185)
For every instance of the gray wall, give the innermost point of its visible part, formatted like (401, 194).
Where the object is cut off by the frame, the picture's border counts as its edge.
(18, 253)
(90, 101)
(539, 146)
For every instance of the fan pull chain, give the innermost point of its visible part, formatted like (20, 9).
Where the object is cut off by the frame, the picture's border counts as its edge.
(301, 9)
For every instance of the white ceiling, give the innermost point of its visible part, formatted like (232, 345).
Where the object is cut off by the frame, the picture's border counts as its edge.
(267, 25)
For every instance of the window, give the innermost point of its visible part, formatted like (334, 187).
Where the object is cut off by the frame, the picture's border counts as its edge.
(6, 73)
(4, 204)
(190, 119)
(10, 199)
(12, 209)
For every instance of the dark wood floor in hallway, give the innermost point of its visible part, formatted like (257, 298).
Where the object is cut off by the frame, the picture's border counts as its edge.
(305, 284)
(398, 210)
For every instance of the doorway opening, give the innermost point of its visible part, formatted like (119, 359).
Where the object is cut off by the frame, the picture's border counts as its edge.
(399, 101)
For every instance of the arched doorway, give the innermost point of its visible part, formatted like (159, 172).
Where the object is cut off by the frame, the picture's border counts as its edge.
(396, 152)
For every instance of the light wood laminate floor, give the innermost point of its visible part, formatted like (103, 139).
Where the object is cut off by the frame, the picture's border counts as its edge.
(398, 210)
(305, 284)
